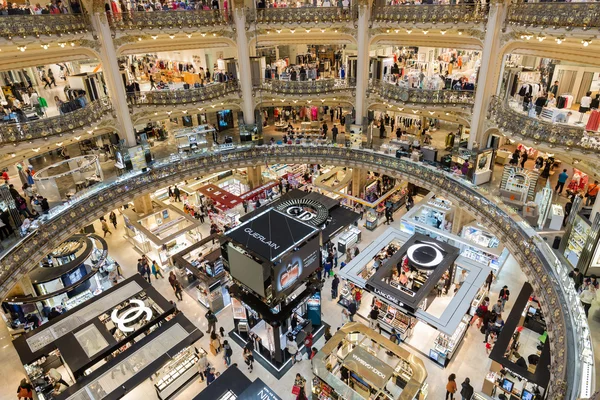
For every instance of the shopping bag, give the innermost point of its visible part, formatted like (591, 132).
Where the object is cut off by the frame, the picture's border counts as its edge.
(296, 390)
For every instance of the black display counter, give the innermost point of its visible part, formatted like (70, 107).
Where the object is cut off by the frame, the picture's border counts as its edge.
(233, 382)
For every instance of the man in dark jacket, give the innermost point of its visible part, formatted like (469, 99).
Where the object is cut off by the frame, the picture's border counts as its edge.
(351, 311)
(334, 287)
(467, 390)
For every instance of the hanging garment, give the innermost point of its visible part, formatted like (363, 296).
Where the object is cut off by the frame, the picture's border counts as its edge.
(594, 121)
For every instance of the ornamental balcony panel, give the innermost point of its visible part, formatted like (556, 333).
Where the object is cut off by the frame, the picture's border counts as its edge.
(568, 331)
(183, 96)
(60, 124)
(309, 16)
(392, 92)
(321, 86)
(466, 13)
(42, 25)
(553, 134)
(138, 20)
(555, 15)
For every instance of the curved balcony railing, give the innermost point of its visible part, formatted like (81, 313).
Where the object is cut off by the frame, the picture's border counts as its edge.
(555, 15)
(183, 96)
(511, 120)
(38, 25)
(471, 13)
(91, 113)
(307, 87)
(170, 19)
(567, 325)
(304, 15)
(393, 92)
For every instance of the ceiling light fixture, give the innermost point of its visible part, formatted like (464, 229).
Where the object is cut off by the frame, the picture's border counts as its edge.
(443, 31)
(77, 137)
(139, 39)
(154, 37)
(431, 112)
(189, 35)
(400, 109)
(409, 31)
(586, 42)
(62, 44)
(460, 32)
(45, 46)
(278, 30)
(59, 144)
(72, 44)
(36, 150)
(425, 31)
(184, 111)
(541, 37)
(322, 30)
(203, 34)
(22, 48)
(292, 30)
(308, 31)
(396, 30)
(560, 39)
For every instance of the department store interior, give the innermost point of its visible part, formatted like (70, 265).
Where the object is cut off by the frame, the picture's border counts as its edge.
(380, 201)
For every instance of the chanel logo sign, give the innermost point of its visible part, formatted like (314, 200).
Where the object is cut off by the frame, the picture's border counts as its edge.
(426, 254)
(131, 314)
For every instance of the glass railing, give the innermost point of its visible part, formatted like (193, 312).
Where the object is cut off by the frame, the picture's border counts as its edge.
(554, 134)
(303, 15)
(471, 13)
(24, 25)
(183, 96)
(393, 92)
(60, 124)
(170, 19)
(306, 87)
(555, 15)
(544, 273)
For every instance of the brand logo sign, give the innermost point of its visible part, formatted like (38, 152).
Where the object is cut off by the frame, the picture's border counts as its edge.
(261, 238)
(368, 366)
(425, 254)
(387, 296)
(301, 213)
(137, 310)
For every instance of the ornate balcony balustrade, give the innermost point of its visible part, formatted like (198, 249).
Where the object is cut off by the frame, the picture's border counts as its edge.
(555, 15)
(170, 19)
(393, 92)
(38, 25)
(304, 15)
(307, 87)
(91, 113)
(550, 281)
(553, 134)
(183, 96)
(468, 13)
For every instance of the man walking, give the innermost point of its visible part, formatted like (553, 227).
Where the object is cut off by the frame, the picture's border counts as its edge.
(591, 194)
(211, 318)
(504, 294)
(351, 311)
(467, 390)
(334, 287)
(334, 133)
(105, 228)
(176, 193)
(562, 178)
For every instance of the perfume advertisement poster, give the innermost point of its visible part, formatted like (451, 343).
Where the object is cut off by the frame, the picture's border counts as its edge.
(297, 266)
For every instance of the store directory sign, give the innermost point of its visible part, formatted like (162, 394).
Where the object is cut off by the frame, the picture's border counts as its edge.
(296, 266)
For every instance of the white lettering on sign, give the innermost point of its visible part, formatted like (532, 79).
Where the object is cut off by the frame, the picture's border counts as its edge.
(368, 366)
(130, 315)
(260, 237)
(437, 258)
(388, 297)
(302, 213)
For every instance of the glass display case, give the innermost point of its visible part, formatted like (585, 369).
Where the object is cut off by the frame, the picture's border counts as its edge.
(579, 234)
(348, 238)
(177, 372)
(390, 317)
(193, 139)
(371, 219)
(444, 346)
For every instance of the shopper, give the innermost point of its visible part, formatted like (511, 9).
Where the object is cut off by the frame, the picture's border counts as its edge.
(334, 287)
(488, 281)
(587, 296)
(467, 390)
(577, 278)
(562, 179)
(373, 316)
(292, 347)
(105, 228)
(210, 376)
(212, 320)
(504, 295)
(25, 390)
(592, 192)
(497, 308)
(334, 133)
(156, 270)
(178, 290)
(524, 158)
(351, 311)
(308, 341)
(227, 353)
(480, 313)
(113, 219)
(327, 335)
(299, 390)
(202, 365)
(177, 194)
(215, 344)
(172, 279)
(451, 387)
(248, 358)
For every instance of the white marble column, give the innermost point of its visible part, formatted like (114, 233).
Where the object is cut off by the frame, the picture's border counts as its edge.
(362, 65)
(489, 72)
(112, 77)
(245, 71)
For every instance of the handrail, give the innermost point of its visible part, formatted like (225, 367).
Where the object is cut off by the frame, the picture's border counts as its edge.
(184, 96)
(303, 15)
(169, 19)
(472, 13)
(555, 15)
(393, 92)
(306, 87)
(509, 119)
(60, 124)
(45, 24)
(503, 222)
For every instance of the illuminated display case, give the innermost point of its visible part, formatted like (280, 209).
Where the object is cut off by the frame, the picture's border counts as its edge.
(444, 346)
(177, 372)
(579, 234)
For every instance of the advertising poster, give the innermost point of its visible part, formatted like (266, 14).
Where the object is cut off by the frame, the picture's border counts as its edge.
(313, 307)
(297, 266)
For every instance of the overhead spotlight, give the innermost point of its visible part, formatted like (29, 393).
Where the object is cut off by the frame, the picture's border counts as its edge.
(140, 39)
(560, 39)
(185, 111)
(425, 31)
(460, 31)
(22, 48)
(77, 137)
(443, 31)
(154, 37)
(212, 105)
(203, 34)
(45, 46)
(526, 36)
(189, 35)
(268, 32)
(334, 99)
(400, 109)
(541, 37)
(72, 44)
(322, 100)
(295, 101)
(586, 42)
(335, 31)
(409, 31)
(322, 30)
(414, 111)
(308, 31)
(214, 34)
(447, 113)
(309, 101)
(200, 109)
(36, 150)
(59, 144)
(169, 112)
(282, 100)
(431, 112)
(155, 113)
(387, 31)
(278, 30)
(62, 44)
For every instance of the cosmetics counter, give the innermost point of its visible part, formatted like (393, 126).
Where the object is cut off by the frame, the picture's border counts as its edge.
(444, 347)
(348, 239)
(575, 243)
(193, 140)
(488, 251)
(392, 318)
(176, 373)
